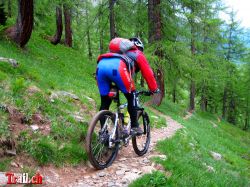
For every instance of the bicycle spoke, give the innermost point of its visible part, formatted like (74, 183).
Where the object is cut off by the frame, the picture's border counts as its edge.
(93, 149)
(100, 152)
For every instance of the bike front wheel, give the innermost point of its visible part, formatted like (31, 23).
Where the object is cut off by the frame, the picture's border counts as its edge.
(141, 143)
(101, 155)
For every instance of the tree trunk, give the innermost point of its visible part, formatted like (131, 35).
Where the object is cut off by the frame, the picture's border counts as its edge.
(139, 21)
(157, 98)
(192, 96)
(21, 32)
(101, 47)
(68, 31)
(154, 18)
(246, 125)
(3, 17)
(9, 8)
(224, 103)
(232, 111)
(193, 52)
(155, 34)
(88, 36)
(101, 42)
(174, 92)
(59, 26)
(89, 44)
(112, 19)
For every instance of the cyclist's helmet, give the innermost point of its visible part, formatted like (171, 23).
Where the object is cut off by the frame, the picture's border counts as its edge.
(138, 43)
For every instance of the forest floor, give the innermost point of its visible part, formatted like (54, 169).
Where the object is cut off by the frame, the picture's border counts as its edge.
(127, 167)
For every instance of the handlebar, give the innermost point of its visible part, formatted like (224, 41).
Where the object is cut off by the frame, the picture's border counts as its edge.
(143, 92)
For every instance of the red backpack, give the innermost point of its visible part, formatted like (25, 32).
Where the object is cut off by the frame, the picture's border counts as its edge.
(120, 45)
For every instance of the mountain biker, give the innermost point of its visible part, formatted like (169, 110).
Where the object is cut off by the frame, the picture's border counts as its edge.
(125, 58)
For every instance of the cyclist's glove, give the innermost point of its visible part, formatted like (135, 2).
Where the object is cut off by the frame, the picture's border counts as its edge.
(156, 91)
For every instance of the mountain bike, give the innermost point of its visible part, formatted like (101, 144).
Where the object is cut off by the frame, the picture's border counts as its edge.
(108, 132)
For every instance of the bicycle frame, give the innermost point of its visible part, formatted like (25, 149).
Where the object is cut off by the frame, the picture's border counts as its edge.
(119, 108)
(115, 133)
(118, 112)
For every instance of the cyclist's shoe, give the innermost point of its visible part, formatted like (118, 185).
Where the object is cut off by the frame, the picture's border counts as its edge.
(125, 133)
(136, 131)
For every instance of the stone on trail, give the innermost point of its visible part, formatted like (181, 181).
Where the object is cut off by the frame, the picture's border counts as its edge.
(123, 159)
(102, 174)
(129, 177)
(145, 160)
(120, 172)
(111, 184)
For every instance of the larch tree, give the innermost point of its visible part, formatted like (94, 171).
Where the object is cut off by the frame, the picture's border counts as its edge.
(192, 11)
(112, 19)
(3, 17)
(67, 22)
(155, 36)
(9, 8)
(59, 26)
(233, 50)
(88, 30)
(100, 27)
(21, 32)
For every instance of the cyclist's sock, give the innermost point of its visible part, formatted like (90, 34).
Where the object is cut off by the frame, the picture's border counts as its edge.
(132, 108)
(105, 103)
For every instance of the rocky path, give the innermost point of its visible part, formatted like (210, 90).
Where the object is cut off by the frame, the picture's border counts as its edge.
(127, 167)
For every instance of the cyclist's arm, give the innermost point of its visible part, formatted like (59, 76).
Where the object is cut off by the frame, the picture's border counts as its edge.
(146, 71)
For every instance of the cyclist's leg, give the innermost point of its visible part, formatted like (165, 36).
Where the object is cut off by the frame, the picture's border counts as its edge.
(104, 87)
(105, 102)
(126, 84)
(132, 108)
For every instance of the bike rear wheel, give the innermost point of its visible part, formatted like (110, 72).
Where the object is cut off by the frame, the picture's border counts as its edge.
(97, 141)
(141, 143)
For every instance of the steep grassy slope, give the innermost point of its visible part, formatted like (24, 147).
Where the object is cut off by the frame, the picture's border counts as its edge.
(45, 69)
(189, 158)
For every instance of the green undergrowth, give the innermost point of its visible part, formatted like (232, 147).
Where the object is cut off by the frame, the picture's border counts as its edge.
(48, 69)
(189, 158)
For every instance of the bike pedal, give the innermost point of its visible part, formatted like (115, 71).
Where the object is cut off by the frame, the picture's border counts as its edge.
(126, 144)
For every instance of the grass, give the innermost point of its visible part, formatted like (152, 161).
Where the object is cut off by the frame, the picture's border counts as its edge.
(49, 68)
(4, 164)
(188, 153)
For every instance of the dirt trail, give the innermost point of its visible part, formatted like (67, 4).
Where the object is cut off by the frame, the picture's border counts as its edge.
(127, 167)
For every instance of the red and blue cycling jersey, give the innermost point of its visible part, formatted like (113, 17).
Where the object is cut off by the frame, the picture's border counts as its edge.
(111, 68)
